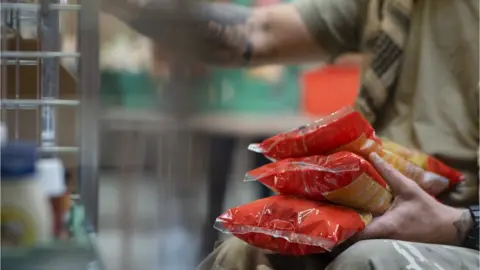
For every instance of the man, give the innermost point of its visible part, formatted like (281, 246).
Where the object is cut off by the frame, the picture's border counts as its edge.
(420, 89)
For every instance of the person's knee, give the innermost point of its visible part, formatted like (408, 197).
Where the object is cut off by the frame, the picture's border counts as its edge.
(235, 254)
(364, 255)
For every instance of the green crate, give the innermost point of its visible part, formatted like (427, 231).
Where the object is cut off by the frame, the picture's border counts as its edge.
(130, 90)
(233, 90)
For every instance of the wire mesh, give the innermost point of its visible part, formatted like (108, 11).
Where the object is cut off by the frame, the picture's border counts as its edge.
(40, 100)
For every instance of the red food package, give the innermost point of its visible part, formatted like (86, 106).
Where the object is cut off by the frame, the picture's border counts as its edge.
(343, 178)
(320, 137)
(431, 182)
(425, 161)
(292, 226)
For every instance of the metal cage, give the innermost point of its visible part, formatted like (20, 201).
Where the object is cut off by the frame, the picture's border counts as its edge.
(39, 95)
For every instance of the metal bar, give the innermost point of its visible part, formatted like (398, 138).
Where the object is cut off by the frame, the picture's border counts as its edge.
(37, 102)
(17, 72)
(59, 149)
(36, 7)
(8, 19)
(132, 154)
(3, 71)
(89, 87)
(38, 70)
(26, 54)
(28, 18)
(50, 70)
(20, 62)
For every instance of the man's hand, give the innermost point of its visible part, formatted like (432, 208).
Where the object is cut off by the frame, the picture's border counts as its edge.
(415, 215)
(221, 34)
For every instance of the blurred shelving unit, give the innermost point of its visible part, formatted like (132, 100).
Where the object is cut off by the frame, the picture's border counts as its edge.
(41, 101)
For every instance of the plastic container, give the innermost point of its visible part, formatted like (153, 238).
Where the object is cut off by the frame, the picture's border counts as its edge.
(51, 175)
(26, 218)
(328, 89)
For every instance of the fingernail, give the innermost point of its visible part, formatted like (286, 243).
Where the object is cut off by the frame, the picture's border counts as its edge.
(374, 157)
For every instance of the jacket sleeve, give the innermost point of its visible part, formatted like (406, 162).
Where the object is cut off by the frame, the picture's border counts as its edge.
(336, 25)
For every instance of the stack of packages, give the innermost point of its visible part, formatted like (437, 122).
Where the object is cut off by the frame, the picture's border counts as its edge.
(328, 191)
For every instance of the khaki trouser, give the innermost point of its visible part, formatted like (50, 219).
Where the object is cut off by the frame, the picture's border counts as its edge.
(234, 254)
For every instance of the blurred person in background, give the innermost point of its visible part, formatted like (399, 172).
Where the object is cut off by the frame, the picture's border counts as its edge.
(419, 88)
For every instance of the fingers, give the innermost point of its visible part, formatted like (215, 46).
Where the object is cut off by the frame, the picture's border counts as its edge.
(396, 180)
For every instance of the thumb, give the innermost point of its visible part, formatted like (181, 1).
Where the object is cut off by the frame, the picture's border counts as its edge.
(377, 229)
(395, 179)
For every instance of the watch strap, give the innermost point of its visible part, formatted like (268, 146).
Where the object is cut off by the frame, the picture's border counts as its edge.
(472, 240)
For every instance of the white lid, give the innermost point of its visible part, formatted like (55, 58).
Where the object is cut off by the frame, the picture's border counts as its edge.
(51, 176)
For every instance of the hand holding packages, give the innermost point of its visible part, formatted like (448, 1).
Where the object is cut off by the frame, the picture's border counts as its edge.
(348, 130)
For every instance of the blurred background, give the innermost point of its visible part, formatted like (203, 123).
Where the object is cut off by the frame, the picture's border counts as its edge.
(152, 151)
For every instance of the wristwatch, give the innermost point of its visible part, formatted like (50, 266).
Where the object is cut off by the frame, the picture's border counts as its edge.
(472, 239)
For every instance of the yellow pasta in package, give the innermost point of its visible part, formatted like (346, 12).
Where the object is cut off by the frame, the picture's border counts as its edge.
(430, 181)
(424, 161)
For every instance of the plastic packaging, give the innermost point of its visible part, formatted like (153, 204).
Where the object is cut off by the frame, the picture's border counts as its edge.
(292, 226)
(424, 161)
(431, 182)
(318, 138)
(342, 178)
(26, 214)
(344, 130)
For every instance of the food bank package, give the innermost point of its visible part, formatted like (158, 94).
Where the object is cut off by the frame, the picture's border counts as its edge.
(292, 226)
(318, 138)
(424, 161)
(342, 178)
(431, 182)
(344, 130)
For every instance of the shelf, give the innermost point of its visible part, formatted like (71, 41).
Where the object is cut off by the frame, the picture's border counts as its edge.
(236, 124)
(59, 149)
(34, 54)
(79, 253)
(29, 103)
(56, 257)
(36, 7)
